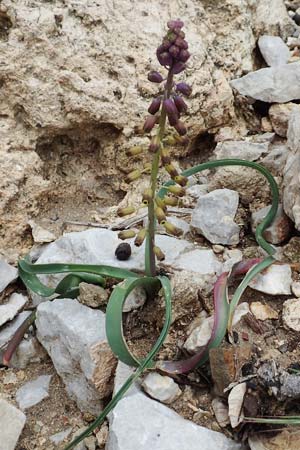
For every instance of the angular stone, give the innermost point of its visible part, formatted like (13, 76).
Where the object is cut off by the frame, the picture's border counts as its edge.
(213, 217)
(272, 84)
(74, 336)
(274, 50)
(9, 310)
(296, 288)
(200, 336)
(40, 235)
(263, 312)
(28, 351)
(12, 421)
(276, 159)
(92, 295)
(57, 438)
(8, 274)
(291, 314)
(251, 151)
(7, 332)
(139, 423)
(33, 392)
(275, 280)
(280, 115)
(135, 299)
(161, 388)
(280, 229)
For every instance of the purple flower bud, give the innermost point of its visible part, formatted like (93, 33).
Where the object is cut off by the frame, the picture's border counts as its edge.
(171, 37)
(175, 24)
(181, 43)
(180, 128)
(171, 111)
(184, 88)
(180, 104)
(165, 59)
(155, 77)
(178, 67)
(184, 55)
(149, 123)
(160, 50)
(166, 44)
(155, 105)
(174, 51)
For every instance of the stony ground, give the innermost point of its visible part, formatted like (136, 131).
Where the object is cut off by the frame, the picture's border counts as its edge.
(66, 128)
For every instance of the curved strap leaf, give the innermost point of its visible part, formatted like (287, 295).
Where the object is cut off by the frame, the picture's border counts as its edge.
(114, 312)
(148, 361)
(240, 162)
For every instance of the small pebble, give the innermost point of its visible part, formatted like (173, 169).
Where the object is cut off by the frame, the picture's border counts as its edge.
(296, 288)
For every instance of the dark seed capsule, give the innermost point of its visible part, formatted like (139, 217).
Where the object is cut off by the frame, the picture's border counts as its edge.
(174, 51)
(123, 251)
(149, 123)
(155, 105)
(177, 23)
(171, 111)
(184, 88)
(184, 55)
(180, 104)
(155, 77)
(180, 128)
(165, 59)
(178, 67)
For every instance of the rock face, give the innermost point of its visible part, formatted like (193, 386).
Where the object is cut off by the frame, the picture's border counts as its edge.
(79, 109)
(74, 336)
(291, 174)
(241, 150)
(274, 50)
(12, 421)
(213, 217)
(271, 85)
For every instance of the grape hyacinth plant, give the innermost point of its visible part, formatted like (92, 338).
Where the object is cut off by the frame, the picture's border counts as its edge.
(165, 110)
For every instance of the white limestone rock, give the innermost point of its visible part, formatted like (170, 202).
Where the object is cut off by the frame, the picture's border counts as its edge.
(10, 309)
(291, 314)
(8, 274)
(12, 421)
(213, 217)
(33, 392)
(74, 336)
(251, 151)
(161, 388)
(280, 114)
(272, 84)
(139, 423)
(274, 50)
(275, 280)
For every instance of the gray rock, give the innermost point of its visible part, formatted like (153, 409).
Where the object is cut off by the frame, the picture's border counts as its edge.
(276, 159)
(161, 388)
(7, 332)
(57, 438)
(251, 151)
(274, 50)
(276, 280)
(41, 235)
(213, 217)
(296, 288)
(33, 392)
(280, 229)
(74, 336)
(29, 351)
(291, 174)
(200, 335)
(135, 299)
(12, 421)
(200, 261)
(139, 423)
(272, 84)
(291, 314)
(8, 274)
(10, 309)
(92, 295)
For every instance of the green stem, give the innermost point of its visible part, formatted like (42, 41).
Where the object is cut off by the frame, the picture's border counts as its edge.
(150, 267)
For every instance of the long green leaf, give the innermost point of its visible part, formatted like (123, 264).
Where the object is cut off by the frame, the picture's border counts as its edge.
(148, 361)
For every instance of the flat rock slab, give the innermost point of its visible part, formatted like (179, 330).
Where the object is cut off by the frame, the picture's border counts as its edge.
(12, 421)
(274, 50)
(139, 423)
(74, 337)
(7, 332)
(9, 310)
(8, 274)
(33, 392)
(272, 84)
(213, 217)
(276, 280)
